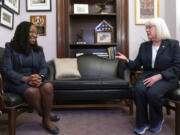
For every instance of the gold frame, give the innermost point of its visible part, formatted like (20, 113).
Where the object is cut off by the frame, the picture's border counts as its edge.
(150, 9)
(40, 22)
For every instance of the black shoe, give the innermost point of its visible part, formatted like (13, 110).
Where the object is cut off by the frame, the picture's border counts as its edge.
(54, 131)
(55, 118)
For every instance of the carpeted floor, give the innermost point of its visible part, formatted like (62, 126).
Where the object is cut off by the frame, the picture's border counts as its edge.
(87, 122)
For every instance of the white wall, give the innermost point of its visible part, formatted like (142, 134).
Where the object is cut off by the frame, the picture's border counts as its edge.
(170, 16)
(178, 20)
(48, 42)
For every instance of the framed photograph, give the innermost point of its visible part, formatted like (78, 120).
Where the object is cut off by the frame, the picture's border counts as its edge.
(38, 5)
(146, 9)
(104, 37)
(81, 9)
(6, 18)
(12, 5)
(40, 22)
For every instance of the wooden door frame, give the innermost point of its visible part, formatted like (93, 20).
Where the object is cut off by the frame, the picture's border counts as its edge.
(62, 25)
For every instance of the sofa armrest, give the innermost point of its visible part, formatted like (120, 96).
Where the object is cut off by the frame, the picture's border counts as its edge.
(51, 70)
(123, 71)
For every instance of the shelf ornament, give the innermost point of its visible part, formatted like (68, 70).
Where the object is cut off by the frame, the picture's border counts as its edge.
(104, 33)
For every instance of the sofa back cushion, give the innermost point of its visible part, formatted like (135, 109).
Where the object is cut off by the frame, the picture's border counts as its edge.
(92, 66)
(66, 68)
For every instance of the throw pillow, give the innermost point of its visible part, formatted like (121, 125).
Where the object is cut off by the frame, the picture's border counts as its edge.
(66, 68)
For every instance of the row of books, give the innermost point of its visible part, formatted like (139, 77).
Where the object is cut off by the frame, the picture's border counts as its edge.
(110, 54)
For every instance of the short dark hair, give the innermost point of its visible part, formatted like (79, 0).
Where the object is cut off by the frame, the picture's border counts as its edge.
(20, 41)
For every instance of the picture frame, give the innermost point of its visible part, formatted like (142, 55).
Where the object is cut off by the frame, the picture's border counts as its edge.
(40, 22)
(38, 5)
(146, 9)
(13, 5)
(0, 2)
(6, 18)
(81, 9)
(104, 37)
(104, 33)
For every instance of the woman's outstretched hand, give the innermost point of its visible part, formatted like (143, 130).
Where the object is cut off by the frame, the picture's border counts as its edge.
(121, 56)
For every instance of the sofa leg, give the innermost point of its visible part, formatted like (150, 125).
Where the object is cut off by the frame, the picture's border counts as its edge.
(177, 119)
(12, 121)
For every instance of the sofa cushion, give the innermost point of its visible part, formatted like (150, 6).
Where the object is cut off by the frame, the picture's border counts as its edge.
(66, 68)
(90, 83)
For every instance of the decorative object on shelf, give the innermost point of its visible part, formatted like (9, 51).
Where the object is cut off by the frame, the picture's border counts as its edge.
(81, 9)
(112, 52)
(104, 7)
(80, 39)
(146, 9)
(104, 33)
(40, 22)
(6, 18)
(38, 5)
(13, 5)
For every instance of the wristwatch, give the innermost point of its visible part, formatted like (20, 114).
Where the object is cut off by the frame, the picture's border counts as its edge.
(42, 76)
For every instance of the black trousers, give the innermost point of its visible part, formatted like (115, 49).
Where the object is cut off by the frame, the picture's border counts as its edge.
(152, 96)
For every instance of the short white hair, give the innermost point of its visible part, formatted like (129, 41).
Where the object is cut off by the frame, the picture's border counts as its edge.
(161, 27)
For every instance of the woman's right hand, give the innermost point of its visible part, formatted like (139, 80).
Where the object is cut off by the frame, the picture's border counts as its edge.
(35, 80)
(121, 56)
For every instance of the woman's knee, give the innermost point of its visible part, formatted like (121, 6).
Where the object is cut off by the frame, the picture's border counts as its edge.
(32, 93)
(46, 88)
(139, 89)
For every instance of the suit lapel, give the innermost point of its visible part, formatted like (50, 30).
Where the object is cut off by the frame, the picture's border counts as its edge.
(162, 47)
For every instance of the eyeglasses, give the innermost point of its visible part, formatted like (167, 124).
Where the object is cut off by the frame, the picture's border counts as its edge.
(149, 26)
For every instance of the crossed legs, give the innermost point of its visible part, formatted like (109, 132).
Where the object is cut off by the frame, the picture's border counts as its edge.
(41, 100)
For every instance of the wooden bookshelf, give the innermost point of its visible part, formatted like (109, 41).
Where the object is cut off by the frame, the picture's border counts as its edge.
(69, 24)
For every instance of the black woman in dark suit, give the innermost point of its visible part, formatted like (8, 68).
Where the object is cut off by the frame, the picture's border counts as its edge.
(25, 73)
(160, 59)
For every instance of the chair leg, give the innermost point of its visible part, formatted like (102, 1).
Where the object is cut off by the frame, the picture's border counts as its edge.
(168, 111)
(130, 107)
(177, 119)
(12, 121)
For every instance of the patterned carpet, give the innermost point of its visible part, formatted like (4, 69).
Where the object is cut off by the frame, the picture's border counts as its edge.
(87, 122)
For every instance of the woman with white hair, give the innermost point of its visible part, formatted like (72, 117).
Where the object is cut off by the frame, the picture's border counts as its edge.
(160, 59)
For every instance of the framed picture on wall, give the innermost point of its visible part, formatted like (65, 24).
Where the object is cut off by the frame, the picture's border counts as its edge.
(13, 5)
(6, 18)
(146, 9)
(38, 5)
(40, 22)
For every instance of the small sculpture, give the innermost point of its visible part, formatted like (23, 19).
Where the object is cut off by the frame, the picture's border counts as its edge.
(102, 6)
(80, 39)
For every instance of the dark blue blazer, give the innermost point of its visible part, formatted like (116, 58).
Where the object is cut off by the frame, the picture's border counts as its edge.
(14, 68)
(167, 60)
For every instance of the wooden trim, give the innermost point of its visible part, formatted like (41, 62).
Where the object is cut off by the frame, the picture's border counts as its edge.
(177, 119)
(122, 27)
(127, 103)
